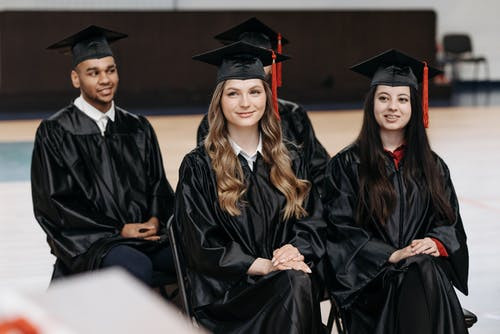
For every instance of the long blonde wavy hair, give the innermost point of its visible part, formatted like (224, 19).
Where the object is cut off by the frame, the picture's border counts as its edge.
(229, 174)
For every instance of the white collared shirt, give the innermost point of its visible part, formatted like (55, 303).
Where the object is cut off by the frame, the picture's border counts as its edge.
(249, 158)
(99, 117)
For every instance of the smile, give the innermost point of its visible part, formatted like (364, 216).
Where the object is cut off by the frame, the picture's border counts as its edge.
(105, 90)
(391, 117)
(245, 114)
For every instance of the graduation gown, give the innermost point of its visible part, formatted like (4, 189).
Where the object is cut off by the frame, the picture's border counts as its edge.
(219, 249)
(86, 186)
(297, 128)
(359, 275)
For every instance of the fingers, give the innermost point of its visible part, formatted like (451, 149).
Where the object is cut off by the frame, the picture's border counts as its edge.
(285, 254)
(296, 265)
(424, 246)
(152, 238)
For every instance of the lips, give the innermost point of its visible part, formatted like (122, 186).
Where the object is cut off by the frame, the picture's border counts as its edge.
(245, 114)
(105, 91)
(391, 117)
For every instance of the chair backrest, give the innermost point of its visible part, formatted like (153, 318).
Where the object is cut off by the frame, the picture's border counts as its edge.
(179, 267)
(457, 44)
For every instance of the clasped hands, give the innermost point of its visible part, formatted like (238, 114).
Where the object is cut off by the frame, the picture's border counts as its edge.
(417, 246)
(147, 230)
(284, 258)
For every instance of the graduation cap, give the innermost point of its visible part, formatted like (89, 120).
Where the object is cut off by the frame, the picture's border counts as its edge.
(241, 60)
(90, 43)
(253, 31)
(394, 68)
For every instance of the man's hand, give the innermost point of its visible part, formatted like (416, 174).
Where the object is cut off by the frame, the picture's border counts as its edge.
(147, 230)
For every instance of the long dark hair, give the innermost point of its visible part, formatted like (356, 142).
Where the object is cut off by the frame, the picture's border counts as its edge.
(377, 196)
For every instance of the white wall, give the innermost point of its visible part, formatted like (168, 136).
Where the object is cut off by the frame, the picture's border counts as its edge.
(478, 18)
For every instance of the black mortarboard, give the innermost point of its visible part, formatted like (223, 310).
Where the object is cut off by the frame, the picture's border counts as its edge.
(243, 61)
(89, 43)
(240, 60)
(253, 31)
(394, 68)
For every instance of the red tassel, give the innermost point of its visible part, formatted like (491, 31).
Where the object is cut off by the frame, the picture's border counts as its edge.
(279, 68)
(274, 87)
(425, 95)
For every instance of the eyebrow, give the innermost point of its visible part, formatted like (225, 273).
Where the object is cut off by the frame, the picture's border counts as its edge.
(238, 89)
(98, 69)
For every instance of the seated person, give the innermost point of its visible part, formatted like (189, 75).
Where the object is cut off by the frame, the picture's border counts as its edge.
(395, 240)
(249, 222)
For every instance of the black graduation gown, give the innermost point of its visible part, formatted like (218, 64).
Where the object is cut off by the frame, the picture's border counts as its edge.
(219, 249)
(297, 128)
(359, 275)
(86, 186)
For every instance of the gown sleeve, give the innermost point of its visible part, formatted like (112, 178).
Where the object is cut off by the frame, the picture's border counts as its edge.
(162, 195)
(208, 248)
(314, 153)
(452, 235)
(202, 129)
(309, 232)
(71, 222)
(355, 256)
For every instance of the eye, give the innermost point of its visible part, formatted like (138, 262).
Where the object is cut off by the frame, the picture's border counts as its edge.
(403, 99)
(383, 98)
(93, 73)
(255, 92)
(112, 70)
(231, 93)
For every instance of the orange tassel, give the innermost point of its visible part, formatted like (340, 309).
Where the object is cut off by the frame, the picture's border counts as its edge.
(425, 95)
(274, 87)
(279, 68)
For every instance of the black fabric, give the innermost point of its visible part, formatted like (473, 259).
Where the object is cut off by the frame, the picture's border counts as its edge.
(89, 43)
(219, 249)
(240, 60)
(297, 129)
(252, 31)
(358, 273)
(394, 68)
(86, 186)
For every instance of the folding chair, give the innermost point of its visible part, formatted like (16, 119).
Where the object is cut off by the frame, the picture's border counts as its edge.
(180, 269)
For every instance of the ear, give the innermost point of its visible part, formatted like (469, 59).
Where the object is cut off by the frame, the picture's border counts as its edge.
(75, 79)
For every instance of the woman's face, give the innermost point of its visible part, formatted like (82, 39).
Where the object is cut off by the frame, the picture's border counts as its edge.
(392, 107)
(243, 103)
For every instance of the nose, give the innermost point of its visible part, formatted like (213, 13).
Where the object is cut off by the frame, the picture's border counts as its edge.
(244, 101)
(103, 78)
(393, 104)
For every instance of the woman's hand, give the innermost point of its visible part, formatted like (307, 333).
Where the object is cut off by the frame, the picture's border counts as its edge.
(285, 254)
(424, 246)
(401, 254)
(262, 267)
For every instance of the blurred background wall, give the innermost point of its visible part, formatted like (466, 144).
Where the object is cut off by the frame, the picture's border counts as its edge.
(155, 62)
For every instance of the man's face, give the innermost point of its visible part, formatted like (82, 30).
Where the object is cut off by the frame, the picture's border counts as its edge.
(97, 80)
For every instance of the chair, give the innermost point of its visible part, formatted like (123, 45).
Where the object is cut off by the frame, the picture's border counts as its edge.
(458, 49)
(180, 269)
(470, 318)
(335, 316)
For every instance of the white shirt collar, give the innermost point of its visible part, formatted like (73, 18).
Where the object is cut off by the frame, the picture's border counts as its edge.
(249, 158)
(92, 112)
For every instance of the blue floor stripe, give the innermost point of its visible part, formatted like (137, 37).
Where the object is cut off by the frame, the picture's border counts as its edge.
(15, 160)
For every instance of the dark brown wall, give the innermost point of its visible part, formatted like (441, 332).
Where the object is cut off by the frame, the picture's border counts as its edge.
(155, 63)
